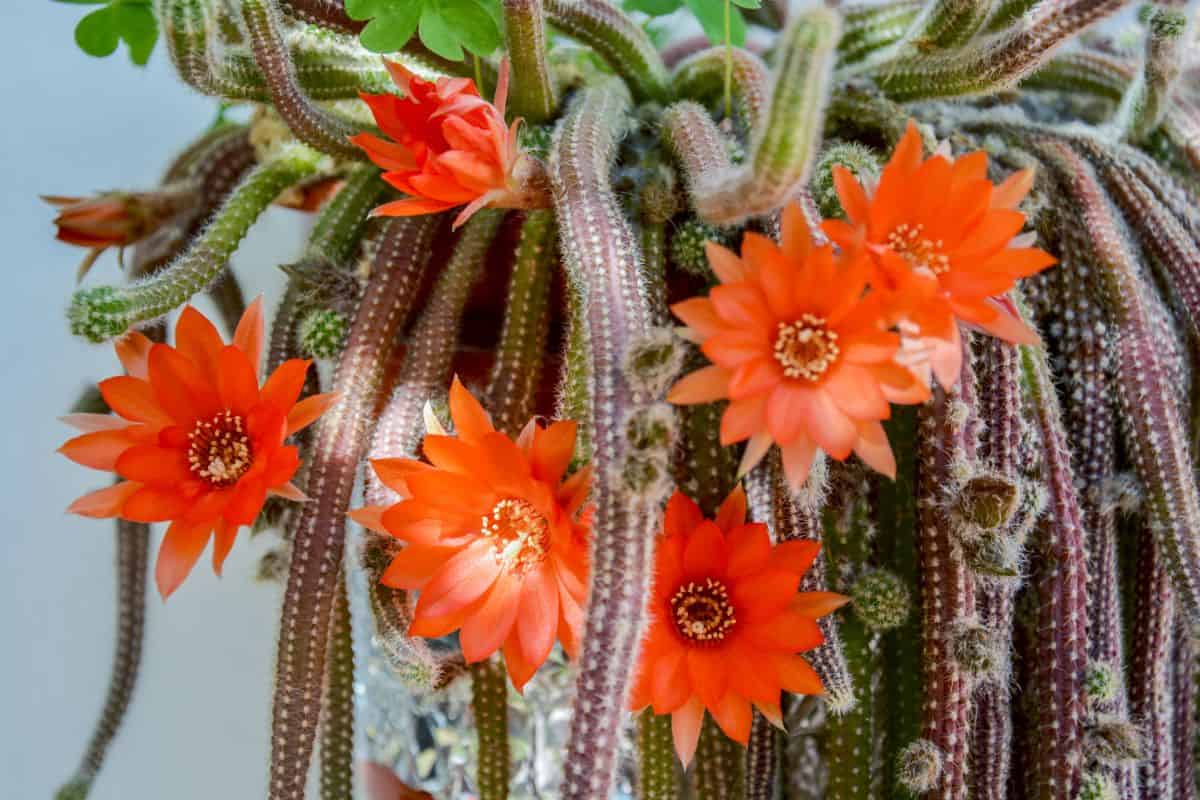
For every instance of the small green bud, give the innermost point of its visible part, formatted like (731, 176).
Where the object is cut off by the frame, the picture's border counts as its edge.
(651, 430)
(75, 790)
(860, 160)
(1097, 786)
(841, 701)
(1100, 683)
(993, 555)
(881, 600)
(977, 650)
(687, 245)
(98, 314)
(535, 139)
(645, 476)
(660, 198)
(323, 332)
(273, 565)
(918, 766)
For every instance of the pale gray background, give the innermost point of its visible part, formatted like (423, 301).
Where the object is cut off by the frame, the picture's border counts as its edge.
(198, 727)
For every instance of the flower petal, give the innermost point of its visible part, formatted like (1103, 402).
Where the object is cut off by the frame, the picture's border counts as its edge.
(180, 550)
(308, 410)
(471, 422)
(685, 729)
(284, 385)
(462, 580)
(733, 715)
(537, 622)
(485, 631)
(133, 350)
(104, 503)
(249, 334)
(705, 385)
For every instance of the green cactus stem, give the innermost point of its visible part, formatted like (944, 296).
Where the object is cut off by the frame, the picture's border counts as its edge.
(1150, 668)
(617, 39)
(312, 125)
(784, 148)
(1146, 101)
(489, 708)
(513, 384)
(1098, 74)
(532, 95)
(1155, 433)
(947, 591)
(104, 312)
(719, 769)
(868, 27)
(337, 726)
(762, 760)
(991, 63)
(133, 548)
(1060, 584)
(701, 77)
(1007, 12)
(946, 24)
(1183, 705)
(604, 266)
(339, 444)
(657, 770)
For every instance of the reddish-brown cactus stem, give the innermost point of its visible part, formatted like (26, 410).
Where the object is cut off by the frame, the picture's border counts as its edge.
(1060, 584)
(947, 590)
(1182, 126)
(1150, 668)
(1000, 410)
(309, 123)
(699, 148)
(762, 759)
(1147, 100)
(340, 443)
(337, 726)
(1174, 249)
(1155, 433)
(133, 547)
(513, 383)
(1184, 675)
(431, 345)
(603, 263)
(702, 77)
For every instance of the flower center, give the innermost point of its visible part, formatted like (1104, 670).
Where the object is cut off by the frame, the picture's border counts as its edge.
(519, 532)
(702, 611)
(806, 348)
(219, 449)
(921, 253)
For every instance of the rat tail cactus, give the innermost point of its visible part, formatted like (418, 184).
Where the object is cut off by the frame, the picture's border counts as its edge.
(807, 415)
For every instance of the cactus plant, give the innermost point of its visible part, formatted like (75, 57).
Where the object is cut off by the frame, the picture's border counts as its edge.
(999, 319)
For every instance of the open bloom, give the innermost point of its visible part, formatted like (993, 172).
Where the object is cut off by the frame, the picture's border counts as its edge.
(497, 546)
(726, 622)
(799, 351)
(942, 235)
(449, 147)
(198, 442)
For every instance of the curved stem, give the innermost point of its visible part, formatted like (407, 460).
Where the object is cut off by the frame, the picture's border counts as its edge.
(532, 95)
(617, 39)
(337, 728)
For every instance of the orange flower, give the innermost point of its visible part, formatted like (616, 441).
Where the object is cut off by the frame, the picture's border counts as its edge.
(945, 238)
(198, 443)
(496, 544)
(801, 354)
(449, 148)
(114, 219)
(726, 622)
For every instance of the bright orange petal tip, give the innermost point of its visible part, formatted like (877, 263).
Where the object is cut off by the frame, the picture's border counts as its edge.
(723, 597)
(497, 538)
(199, 443)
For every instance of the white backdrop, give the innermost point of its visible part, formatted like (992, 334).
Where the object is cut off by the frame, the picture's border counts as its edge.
(198, 728)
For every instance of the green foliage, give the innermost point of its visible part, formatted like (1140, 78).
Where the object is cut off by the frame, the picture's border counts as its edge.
(710, 14)
(101, 31)
(447, 27)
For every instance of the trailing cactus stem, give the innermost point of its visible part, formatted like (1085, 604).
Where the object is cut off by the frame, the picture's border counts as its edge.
(702, 77)
(1146, 102)
(104, 312)
(719, 769)
(489, 709)
(340, 442)
(762, 760)
(657, 771)
(784, 149)
(604, 266)
(513, 384)
(337, 727)
(1183, 703)
(948, 23)
(1150, 685)
(1060, 648)
(617, 39)
(340, 224)
(867, 27)
(1154, 429)
(133, 546)
(698, 147)
(532, 95)
(312, 125)
(850, 737)
(947, 590)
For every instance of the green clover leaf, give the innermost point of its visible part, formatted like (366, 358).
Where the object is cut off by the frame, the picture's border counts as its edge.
(101, 31)
(447, 27)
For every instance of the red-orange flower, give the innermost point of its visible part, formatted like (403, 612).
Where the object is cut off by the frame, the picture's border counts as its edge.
(449, 148)
(497, 546)
(198, 442)
(945, 238)
(799, 351)
(726, 622)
